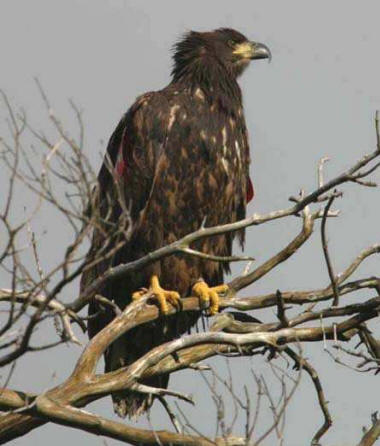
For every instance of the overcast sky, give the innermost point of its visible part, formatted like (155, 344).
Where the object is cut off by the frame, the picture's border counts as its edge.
(316, 98)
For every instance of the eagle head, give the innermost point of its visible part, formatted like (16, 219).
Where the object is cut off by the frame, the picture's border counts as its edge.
(225, 47)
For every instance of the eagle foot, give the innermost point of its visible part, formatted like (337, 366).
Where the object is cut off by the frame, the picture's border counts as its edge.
(209, 295)
(160, 295)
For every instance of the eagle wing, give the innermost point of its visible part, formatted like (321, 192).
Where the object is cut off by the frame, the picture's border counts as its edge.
(125, 181)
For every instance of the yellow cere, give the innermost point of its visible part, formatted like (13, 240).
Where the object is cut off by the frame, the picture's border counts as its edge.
(244, 50)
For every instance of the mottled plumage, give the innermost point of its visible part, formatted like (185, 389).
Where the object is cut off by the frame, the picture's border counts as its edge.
(181, 156)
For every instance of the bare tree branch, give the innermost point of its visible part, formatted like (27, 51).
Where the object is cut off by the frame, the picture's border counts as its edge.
(55, 172)
(372, 435)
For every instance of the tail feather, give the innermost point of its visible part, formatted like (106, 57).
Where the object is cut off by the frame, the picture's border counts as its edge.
(121, 353)
(132, 346)
(133, 404)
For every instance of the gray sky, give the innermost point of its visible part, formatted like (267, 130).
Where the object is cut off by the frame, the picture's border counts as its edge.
(316, 98)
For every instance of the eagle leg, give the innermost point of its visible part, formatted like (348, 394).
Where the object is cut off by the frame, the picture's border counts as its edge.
(161, 295)
(209, 295)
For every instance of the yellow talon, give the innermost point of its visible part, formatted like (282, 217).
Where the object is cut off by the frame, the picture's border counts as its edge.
(138, 294)
(209, 295)
(162, 296)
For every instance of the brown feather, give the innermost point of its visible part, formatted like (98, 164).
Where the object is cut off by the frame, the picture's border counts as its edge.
(185, 160)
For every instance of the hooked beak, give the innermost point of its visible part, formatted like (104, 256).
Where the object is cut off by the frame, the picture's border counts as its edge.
(260, 51)
(253, 50)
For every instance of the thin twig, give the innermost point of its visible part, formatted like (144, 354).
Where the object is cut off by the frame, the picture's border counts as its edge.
(281, 310)
(321, 163)
(327, 255)
(301, 362)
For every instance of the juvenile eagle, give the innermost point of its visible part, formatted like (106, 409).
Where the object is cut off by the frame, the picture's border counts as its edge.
(181, 157)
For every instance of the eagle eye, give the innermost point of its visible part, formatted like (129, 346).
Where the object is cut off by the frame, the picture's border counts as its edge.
(232, 43)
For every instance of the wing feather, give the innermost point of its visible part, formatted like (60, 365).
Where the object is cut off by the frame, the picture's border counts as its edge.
(136, 145)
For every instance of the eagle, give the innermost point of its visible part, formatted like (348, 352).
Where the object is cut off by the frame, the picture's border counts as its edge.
(180, 157)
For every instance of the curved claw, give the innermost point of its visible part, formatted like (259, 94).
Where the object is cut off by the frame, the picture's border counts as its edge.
(138, 294)
(161, 295)
(209, 295)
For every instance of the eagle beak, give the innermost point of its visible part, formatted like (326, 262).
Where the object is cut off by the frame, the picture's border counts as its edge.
(260, 51)
(252, 50)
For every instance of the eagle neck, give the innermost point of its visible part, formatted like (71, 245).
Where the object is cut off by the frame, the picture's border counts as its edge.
(214, 80)
(218, 89)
